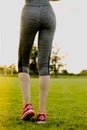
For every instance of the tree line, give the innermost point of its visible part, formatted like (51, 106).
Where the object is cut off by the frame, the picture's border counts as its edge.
(55, 64)
(4, 70)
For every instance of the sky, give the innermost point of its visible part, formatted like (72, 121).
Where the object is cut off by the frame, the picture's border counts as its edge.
(70, 35)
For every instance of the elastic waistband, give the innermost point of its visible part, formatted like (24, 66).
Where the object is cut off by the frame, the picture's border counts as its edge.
(37, 2)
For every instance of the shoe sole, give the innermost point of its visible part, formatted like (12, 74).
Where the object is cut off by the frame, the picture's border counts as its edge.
(41, 122)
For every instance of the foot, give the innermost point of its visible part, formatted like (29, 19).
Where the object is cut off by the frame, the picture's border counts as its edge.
(41, 118)
(27, 112)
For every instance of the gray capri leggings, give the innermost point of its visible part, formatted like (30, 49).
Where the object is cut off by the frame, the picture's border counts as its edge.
(37, 16)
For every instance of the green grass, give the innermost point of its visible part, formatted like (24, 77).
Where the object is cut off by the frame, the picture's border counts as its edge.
(66, 104)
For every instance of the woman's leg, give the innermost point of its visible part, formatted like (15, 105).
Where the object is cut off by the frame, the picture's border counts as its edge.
(28, 30)
(46, 34)
(23, 66)
(44, 51)
(25, 87)
(29, 26)
(43, 92)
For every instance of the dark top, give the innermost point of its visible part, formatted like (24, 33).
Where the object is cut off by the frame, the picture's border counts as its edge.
(37, 2)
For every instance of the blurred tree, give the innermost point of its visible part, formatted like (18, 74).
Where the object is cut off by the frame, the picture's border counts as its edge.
(12, 69)
(83, 72)
(1, 70)
(5, 70)
(65, 72)
(55, 61)
(8, 69)
(33, 61)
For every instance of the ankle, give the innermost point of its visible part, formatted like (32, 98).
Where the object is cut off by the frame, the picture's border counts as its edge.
(42, 112)
(26, 102)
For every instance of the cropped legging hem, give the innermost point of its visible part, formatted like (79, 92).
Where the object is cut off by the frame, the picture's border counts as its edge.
(23, 69)
(43, 72)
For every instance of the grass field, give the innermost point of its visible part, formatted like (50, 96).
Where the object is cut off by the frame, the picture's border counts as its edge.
(66, 104)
